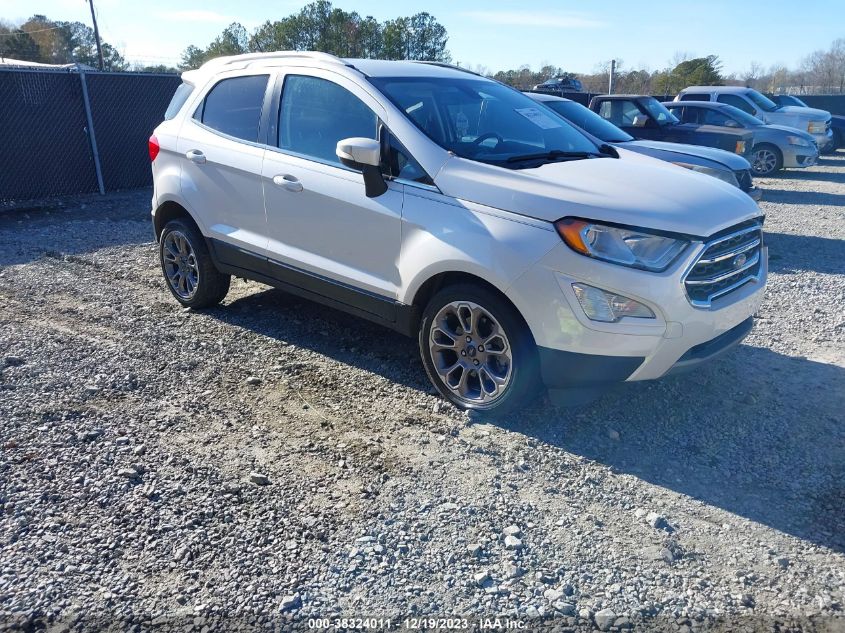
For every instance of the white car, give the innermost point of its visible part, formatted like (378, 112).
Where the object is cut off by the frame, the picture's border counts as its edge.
(454, 209)
(811, 120)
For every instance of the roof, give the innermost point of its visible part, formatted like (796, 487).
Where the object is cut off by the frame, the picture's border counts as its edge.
(714, 88)
(714, 105)
(369, 67)
(618, 96)
(544, 96)
(386, 68)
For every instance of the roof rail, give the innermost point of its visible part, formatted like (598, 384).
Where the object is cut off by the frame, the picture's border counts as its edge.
(253, 57)
(445, 65)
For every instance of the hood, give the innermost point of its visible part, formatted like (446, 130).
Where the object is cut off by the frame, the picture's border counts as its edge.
(809, 114)
(791, 130)
(632, 189)
(677, 151)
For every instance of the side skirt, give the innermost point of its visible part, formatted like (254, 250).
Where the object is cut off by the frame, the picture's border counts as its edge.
(238, 262)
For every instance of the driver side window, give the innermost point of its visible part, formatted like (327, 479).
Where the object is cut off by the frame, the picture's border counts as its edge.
(620, 113)
(714, 117)
(316, 113)
(737, 102)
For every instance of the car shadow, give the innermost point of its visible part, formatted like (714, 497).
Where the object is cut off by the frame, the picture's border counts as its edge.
(812, 175)
(789, 253)
(809, 198)
(757, 433)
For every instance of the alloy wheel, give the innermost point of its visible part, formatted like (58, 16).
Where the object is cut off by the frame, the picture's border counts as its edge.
(765, 161)
(470, 352)
(180, 264)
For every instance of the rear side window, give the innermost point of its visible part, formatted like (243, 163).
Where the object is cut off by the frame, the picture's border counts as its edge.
(316, 113)
(179, 98)
(695, 96)
(737, 102)
(233, 106)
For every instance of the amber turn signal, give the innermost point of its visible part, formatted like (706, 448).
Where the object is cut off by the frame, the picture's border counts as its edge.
(570, 230)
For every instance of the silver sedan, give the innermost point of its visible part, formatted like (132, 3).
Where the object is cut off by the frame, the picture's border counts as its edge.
(775, 146)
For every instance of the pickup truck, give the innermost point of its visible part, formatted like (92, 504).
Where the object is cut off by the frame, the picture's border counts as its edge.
(811, 120)
(644, 117)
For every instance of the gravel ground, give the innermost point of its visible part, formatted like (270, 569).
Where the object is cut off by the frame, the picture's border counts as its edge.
(270, 461)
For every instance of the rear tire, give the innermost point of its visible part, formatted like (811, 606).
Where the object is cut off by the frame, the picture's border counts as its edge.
(457, 324)
(189, 271)
(766, 160)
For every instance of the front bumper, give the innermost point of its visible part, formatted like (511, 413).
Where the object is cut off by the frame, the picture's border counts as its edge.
(824, 141)
(576, 352)
(798, 157)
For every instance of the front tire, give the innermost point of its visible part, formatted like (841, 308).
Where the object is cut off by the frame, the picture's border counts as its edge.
(188, 269)
(477, 350)
(766, 160)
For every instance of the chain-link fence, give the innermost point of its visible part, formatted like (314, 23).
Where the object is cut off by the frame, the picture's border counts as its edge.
(69, 132)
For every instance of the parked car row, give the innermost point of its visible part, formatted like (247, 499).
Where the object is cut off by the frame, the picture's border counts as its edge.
(518, 249)
(837, 121)
(741, 120)
(727, 166)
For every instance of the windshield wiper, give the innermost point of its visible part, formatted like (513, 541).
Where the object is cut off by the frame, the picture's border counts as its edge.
(555, 154)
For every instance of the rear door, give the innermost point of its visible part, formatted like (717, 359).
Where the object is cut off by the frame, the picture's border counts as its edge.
(325, 234)
(221, 166)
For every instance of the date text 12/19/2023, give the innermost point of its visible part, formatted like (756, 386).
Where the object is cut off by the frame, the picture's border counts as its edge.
(416, 624)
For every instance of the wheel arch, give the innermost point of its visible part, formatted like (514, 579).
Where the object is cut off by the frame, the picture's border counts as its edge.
(171, 210)
(437, 282)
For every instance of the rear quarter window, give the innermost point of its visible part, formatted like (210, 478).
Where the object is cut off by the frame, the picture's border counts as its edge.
(233, 106)
(179, 98)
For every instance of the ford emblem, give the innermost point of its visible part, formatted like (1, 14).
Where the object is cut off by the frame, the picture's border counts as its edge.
(740, 260)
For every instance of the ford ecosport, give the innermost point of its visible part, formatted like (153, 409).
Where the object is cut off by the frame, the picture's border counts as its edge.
(517, 250)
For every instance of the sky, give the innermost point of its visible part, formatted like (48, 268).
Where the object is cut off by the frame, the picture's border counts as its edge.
(576, 35)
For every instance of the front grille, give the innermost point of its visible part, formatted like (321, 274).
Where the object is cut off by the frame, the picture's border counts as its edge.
(731, 259)
(743, 177)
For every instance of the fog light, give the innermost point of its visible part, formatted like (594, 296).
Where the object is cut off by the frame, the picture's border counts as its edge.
(600, 305)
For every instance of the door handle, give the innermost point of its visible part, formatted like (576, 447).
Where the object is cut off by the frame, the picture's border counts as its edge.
(195, 156)
(286, 181)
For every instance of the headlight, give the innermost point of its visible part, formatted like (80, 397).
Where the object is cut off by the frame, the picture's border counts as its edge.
(625, 246)
(608, 307)
(740, 147)
(725, 175)
(797, 140)
(817, 127)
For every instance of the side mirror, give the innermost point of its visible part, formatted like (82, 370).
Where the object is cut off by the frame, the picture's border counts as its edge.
(731, 123)
(364, 155)
(640, 120)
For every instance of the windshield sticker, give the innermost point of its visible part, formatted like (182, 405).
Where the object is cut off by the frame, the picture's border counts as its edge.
(461, 124)
(538, 118)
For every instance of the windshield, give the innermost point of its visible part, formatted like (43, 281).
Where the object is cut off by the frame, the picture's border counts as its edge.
(659, 111)
(761, 101)
(588, 120)
(795, 101)
(742, 116)
(483, 120)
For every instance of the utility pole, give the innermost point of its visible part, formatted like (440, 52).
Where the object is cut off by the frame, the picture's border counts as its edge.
(610, 79)
(96, 34)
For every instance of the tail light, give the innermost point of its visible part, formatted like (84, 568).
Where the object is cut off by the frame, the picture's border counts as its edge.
(154, 147)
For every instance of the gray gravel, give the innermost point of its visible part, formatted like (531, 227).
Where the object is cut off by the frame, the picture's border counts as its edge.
(269, 461)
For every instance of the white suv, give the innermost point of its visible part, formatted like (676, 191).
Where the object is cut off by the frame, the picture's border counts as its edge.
(520, 251)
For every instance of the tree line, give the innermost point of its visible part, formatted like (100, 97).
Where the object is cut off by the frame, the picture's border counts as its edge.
(46, 41)
(321, 27)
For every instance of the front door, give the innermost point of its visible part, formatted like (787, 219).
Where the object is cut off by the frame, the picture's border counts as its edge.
(324, 233)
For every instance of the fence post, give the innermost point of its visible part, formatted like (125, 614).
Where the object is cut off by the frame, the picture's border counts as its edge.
(91, 135)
